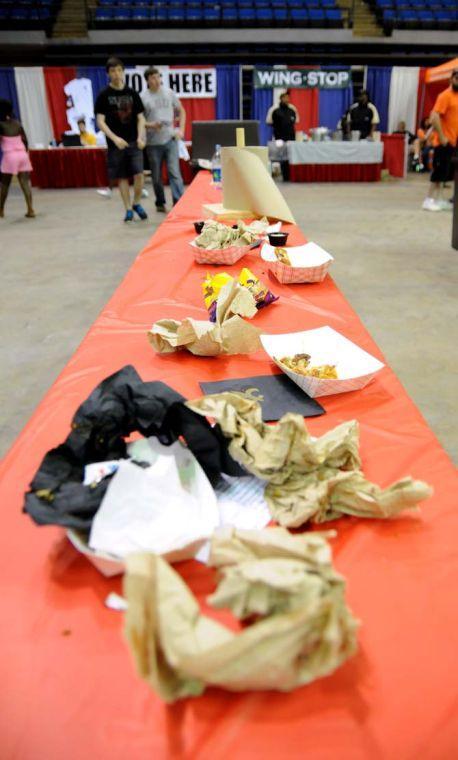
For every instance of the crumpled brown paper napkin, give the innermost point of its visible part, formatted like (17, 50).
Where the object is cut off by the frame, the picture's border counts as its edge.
(307, 480)
(307, 631)
(217, 236)
(229, 335)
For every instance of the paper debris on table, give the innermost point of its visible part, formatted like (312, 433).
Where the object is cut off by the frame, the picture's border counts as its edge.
(230, 334)
(213, 284)
(168, 508)
(241, 504)
(215, 236)
(305, 632)
(115, 602)
(307, 479)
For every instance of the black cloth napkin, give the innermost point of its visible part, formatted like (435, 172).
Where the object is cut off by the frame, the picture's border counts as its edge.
(280, 395)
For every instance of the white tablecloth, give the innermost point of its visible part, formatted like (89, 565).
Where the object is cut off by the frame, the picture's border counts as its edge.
(335, 152)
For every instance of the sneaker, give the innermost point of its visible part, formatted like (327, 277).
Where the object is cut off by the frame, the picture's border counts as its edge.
(140, 211)
(145, 193)
(105, 192)
(129, 217)
(445, 205)
(161, 209)
(429, 204)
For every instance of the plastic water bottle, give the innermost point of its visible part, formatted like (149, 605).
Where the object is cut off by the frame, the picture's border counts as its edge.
(216, 166)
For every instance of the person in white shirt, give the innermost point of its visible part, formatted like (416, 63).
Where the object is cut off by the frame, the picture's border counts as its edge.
(162, 107)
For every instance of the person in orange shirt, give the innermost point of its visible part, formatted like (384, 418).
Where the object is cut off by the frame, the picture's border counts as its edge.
(444, 118)
(87, 138)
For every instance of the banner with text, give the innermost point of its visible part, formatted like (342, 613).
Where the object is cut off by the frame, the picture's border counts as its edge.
(186, 83)
(269, 79)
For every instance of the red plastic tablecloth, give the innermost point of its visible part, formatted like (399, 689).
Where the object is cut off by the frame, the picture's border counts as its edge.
(335, 172)
(78, 167)
(69, 690)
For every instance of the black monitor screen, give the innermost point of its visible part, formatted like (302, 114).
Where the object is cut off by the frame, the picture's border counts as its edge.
(207, 134)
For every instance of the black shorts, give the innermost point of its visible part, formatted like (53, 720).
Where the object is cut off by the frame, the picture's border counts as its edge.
(123, 164)
(442, 164)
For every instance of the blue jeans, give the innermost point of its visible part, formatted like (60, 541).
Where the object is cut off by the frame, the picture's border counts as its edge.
(168, 153)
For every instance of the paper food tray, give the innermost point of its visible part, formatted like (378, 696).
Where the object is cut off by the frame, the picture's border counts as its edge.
(109, 565)
(355, 367)
(225, 256)
(310, 263)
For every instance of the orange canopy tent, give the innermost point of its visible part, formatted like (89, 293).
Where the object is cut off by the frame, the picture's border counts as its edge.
(435, 80)
(441, 73)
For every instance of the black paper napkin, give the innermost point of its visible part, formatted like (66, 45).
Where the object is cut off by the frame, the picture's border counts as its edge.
(280, 395)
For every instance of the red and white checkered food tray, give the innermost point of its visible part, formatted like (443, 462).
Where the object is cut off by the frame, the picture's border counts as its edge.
(309, 263)
(225, 256)
(355, 367)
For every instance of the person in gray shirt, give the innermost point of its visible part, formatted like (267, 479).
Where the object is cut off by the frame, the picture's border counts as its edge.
(162, 107)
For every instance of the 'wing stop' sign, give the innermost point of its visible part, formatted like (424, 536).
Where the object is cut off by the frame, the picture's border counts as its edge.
(268, 79)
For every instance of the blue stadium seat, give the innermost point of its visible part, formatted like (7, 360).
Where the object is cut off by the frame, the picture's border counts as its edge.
(264, 16)
(281, 16)
(124, 3)
(176, 16)
(445, 19)
(417, 4)
(247, 16)
(103, 14)
(212, 16)
(384, 4)
(245, 3)
(331, 4)
(427, 19)
(229, 16)
(389, 18)
(312, 4)
(409, 19)
(194, 16)
(141, 14)
(161, 16)
(450, 5)
(299, 17)
(317, 17)
(334, 18)
(121, 14)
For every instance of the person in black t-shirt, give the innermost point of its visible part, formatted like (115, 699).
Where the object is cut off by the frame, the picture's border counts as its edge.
(120, 116)
(283, 118)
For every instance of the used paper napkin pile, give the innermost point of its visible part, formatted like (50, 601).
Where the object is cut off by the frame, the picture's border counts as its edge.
(215, 235)
(303, 628)
(307, 479)
(167, 507)
(230, 334)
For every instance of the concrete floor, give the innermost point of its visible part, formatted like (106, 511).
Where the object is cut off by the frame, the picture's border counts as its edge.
(393, 261)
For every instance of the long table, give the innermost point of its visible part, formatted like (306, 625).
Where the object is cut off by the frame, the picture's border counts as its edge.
(78, 167)
(335, 161)
(69, 689)
(339, 161)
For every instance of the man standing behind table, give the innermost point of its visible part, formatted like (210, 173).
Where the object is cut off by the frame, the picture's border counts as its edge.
(162, 107)
(362, 116)
(283, 118)
(444, 119)
(120, 116)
